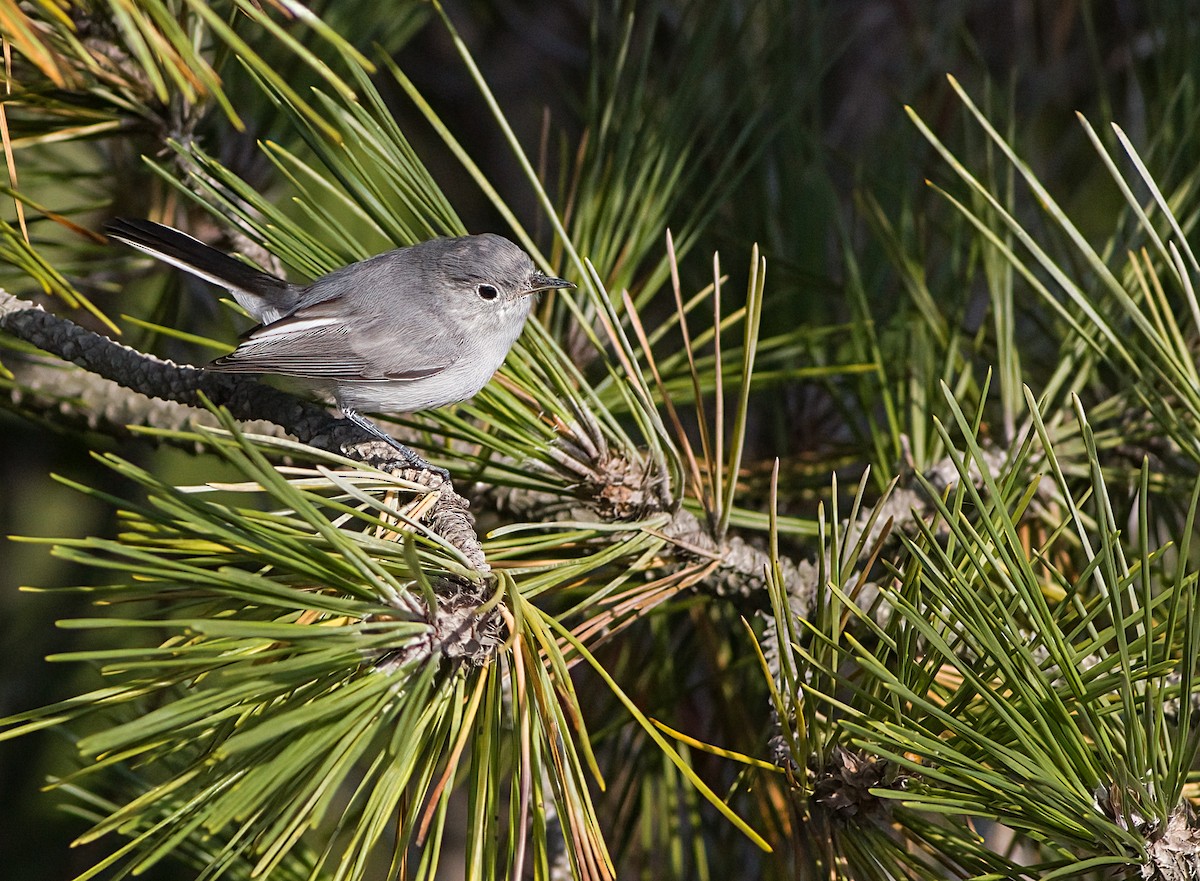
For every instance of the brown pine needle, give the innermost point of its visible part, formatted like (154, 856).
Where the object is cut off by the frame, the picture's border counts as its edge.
(7, 139)
(701, 415)
(522, 714)
(716, 464)
(15, 22)
(626, 607)
(681, 435)
(435, 794)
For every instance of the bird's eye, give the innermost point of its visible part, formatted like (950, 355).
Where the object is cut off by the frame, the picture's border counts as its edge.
(487, 291)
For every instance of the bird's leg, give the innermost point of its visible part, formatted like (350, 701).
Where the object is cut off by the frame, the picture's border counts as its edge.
(411, 458)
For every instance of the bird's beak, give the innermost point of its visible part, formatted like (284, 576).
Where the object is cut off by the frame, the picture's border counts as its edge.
(539, 282)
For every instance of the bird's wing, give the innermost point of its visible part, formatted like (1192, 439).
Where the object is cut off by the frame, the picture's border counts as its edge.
(314, 342)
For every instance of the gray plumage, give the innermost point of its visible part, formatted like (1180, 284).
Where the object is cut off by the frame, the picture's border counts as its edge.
(412, 329)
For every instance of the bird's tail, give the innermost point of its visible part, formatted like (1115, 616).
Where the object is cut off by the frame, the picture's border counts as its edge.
(263, 295)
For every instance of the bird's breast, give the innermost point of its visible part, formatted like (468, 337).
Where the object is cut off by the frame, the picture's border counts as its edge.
(476, 354)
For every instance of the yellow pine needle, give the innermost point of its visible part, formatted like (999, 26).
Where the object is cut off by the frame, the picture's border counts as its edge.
(684, 768)
(715, 750)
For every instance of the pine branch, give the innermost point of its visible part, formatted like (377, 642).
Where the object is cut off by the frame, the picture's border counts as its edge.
(74, 399)
(741, 566)
(245, 399)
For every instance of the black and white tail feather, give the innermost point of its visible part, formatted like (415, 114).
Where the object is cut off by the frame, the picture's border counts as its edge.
(266, 297)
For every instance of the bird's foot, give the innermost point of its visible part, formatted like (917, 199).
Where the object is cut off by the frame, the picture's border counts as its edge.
(410, 458)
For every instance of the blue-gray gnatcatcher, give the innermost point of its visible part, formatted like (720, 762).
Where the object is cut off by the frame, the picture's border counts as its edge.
(411, 329)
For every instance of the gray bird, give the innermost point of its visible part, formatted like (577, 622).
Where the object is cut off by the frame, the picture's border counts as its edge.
(411, 329)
